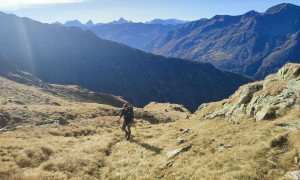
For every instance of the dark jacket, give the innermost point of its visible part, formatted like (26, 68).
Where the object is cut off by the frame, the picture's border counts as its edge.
(128, 114)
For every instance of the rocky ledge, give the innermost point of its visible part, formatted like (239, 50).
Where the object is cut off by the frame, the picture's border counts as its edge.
(263, 100)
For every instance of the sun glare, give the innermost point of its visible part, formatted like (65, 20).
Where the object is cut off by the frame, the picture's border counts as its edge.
(18, 4)
(23, 34)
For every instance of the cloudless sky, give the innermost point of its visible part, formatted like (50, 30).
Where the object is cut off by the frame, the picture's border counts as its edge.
(135, 10)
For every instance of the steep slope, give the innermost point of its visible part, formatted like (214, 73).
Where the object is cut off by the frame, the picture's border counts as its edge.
(63, 55)
(92, 145)
(253, 44)
(10, 71)
(136, 35)
(18, 87)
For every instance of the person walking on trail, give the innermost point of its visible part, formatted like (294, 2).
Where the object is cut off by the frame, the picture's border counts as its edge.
(127, 113)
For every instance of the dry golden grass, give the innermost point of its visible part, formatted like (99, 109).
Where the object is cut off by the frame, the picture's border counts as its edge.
(167, 110)
(48, 153)
(68, 152)
(92, 146)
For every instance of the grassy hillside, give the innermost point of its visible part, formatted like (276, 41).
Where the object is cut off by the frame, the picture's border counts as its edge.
(92, 145)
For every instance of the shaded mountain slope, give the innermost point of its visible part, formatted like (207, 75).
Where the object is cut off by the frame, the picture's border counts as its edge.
(253, 44)
(69, 55)
(135, 35)
(30, 90)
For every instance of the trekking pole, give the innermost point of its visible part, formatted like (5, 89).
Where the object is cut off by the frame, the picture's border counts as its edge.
(118, 121)
(137, 132)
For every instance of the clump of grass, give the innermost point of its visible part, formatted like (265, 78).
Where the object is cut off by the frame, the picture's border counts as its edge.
(55, 133)
(50, 166)
(47, 151)
(80, 132)
(33, 157)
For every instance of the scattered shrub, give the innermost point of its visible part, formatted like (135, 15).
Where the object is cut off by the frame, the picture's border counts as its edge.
(279, 142)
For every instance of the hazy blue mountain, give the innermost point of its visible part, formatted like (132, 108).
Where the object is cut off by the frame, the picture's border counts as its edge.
(89, 23)
(136, 35)
(254, 44)
(57, 23)
(173, 22)
(120, 21)
(70, 55)
(74, 23)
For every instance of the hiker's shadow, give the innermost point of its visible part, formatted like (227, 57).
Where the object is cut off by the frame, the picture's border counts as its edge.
(149, 147)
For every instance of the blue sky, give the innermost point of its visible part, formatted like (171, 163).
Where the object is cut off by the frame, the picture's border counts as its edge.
(135, 10)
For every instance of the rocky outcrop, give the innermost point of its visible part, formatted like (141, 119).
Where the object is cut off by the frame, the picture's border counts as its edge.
(222, 147)
(291, 125)
(294, 175)
(180, 140)
(175, 152)
(264, 100)
(52, 121)
(4, 119)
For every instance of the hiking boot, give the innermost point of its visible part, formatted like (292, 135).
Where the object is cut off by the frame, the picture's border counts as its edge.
(128, 137)
(126, 134)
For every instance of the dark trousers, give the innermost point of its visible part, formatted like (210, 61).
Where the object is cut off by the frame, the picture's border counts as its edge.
(126, 128)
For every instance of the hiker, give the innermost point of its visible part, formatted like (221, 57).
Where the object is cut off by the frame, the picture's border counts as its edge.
(128, 114)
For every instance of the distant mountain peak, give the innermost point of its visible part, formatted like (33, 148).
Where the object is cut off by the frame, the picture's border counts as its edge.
(120, 21)
(251, 14)
(89, 23)
(73, 23)
(282, 7)
(56, 22)
(226, 17)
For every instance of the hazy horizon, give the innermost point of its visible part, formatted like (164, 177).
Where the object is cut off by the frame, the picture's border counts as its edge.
(103, 11)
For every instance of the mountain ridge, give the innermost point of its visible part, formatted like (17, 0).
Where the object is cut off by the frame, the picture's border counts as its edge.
(282, 7)
(173, 21)
(253, 44)
(133, 34)
(77, 23)
(70, 55)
